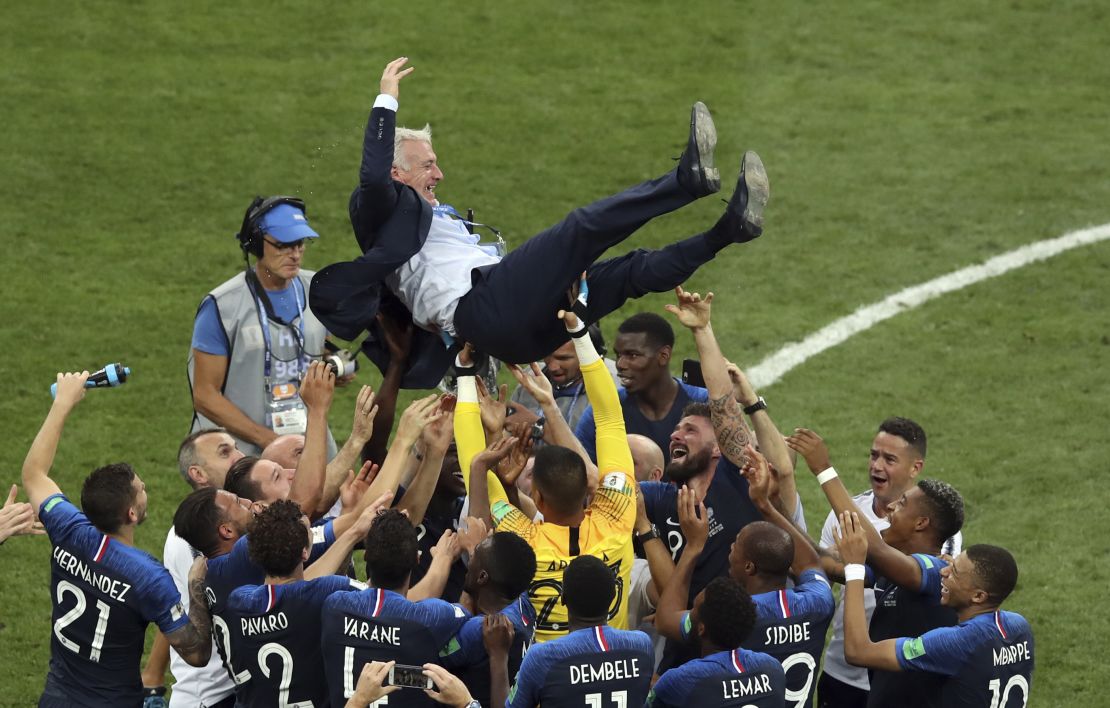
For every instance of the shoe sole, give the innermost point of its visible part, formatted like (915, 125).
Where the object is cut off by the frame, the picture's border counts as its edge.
(705, 137)
(759, 190)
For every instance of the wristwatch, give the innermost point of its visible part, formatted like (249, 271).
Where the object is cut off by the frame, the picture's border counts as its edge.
(473, 704)
(648, 535)
(537, 428)
(759, 405)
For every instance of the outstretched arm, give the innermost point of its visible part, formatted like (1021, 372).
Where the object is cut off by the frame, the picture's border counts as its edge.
(760, 483)
(40, 458)
(316, 391)
(895, 566)
(728, 419)
(859, 650)
(437, 437)
(376, 198)
(676, 596)
(770, 441)
(362, 428)
(194, 641)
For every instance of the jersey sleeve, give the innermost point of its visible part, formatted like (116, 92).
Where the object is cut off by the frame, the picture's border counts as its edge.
(471, 440)
(525, 692)
(814, 594)
(161, 602)
(930, 575)
(465, 648)
(828, 540)
(60, 517)
(938, 651)
(208, 332)
(585, 432)
(323, 536)
(507, 517)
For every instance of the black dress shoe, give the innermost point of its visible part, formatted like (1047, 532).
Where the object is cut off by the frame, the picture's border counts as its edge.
(744, 214)
(696, 172)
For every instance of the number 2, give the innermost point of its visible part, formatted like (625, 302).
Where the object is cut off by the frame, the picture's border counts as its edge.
(1016, 680)
(286, 658)
(70, 617)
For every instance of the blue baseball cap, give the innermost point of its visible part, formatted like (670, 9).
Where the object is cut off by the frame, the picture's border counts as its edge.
(286, 224)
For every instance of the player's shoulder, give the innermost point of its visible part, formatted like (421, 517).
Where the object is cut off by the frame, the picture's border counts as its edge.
(249, 598)
(759, 661)
(59, 515)
(437, 609)
(813, 587)
(1014, 623)
(695, 393)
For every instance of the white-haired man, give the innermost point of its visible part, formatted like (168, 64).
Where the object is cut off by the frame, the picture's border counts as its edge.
(420, 258)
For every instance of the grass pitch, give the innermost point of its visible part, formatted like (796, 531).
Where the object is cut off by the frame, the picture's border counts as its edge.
(902, 143)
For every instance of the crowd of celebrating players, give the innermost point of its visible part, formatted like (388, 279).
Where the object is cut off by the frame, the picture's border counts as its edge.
(608, 536)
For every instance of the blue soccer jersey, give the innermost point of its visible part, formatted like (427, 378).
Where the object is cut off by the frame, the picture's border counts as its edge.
(901, 612)
(599, 667)
(381, 625)
(727, 679)
(103, 594)
(465, 655)
(226, 574)
(988, 660)
(280, 628)
(790, 626)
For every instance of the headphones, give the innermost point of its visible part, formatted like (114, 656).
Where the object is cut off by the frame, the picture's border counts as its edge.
(250, 233)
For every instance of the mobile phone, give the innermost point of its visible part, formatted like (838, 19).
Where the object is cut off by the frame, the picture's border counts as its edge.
(408, 677)
(691, 373)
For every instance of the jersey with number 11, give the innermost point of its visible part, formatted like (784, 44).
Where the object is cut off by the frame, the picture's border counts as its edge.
(103, 594)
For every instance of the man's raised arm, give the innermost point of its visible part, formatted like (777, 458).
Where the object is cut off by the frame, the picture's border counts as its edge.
(733, 435)
(40, 458)
(895, 566)
(316, 391)
(760, 481)
(375, 198)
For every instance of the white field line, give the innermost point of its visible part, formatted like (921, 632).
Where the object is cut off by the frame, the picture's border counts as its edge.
(777, 365)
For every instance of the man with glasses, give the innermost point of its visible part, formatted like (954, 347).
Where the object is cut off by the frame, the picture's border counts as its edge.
(254, 335)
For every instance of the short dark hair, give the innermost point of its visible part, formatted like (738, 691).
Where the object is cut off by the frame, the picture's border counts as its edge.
(278, 538)
(656, 330)
(589, 587)
(996, 570)
(560, 475)
(187, 455)
(698, 409)
(769, 547)
(727, 612)
(511, 563)
(197, 521)
(239, 482)
(107, 494)
(906, 429)
(391, 550)
(945, 507)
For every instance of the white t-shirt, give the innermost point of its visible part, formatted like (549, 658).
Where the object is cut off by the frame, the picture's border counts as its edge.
(432, 282)
(835, 665)
(193, 686)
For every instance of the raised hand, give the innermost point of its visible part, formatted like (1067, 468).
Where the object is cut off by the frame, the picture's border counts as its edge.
(351, 491)
(493, 409)
(510, 467)
(17, 518)
(692, 310)
(71, 389)
(366, 410)
(498, 450)
(447, 546)
(742, 389)
(473, 534)
(761, 482)
(420, 413)
(497, 634)
(439, 433)
(318, 386)
(392, 75)
(694, 527)
(536, 384)
(370, 514)
(851, 539)
(809, 445)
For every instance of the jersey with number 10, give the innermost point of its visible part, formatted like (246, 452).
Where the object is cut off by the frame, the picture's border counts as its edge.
(598, 667)
(987, 660)
(103, 595)
(280, 628)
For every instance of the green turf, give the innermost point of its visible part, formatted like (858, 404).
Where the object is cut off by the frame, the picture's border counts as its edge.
(903, 141)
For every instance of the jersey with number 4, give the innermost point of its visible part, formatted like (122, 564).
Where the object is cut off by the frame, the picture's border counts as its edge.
(103, 595)
(598, 667)
(381, 625)
(988, 660)
(465, 655)
(280, 627)
(727, 679)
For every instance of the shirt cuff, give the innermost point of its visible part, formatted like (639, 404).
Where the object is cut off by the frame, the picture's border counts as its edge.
(384, 100)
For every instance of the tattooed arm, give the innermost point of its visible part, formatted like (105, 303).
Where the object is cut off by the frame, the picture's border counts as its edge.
(732, 432)
(194, 641)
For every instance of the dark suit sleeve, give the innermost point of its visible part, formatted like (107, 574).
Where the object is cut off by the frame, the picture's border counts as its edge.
(374, 200)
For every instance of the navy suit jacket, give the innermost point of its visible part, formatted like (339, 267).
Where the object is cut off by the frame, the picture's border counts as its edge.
(391, 223)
